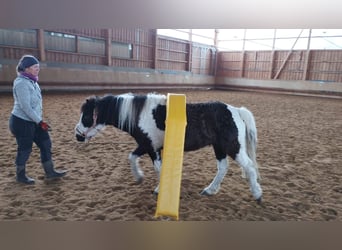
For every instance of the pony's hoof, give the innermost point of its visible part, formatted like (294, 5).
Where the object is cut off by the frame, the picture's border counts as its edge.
(139, 181)
(259, 200)
(205, 193)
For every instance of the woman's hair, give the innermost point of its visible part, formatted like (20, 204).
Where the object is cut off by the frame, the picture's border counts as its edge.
(26, 61)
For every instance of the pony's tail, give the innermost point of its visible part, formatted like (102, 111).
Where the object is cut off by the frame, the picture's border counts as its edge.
(251, 138)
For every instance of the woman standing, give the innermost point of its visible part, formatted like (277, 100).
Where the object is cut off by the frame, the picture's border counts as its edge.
(26, 122)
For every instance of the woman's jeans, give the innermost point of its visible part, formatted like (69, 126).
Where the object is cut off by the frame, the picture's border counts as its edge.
(26, 133)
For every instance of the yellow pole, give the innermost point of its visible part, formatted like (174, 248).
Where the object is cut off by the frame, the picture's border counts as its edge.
(172, 157)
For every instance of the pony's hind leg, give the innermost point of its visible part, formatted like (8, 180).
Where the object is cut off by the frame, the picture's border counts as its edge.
(134, 162)
(251, 173)
(222, 169)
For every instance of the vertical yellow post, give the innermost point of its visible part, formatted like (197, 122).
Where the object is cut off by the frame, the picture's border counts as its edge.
(172, 158)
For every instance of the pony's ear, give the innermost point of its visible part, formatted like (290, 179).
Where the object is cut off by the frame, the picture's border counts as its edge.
(90, 99)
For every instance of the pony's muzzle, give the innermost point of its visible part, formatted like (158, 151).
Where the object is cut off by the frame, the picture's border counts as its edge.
(80, 138)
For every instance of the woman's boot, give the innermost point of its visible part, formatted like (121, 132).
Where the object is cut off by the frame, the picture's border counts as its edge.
(50, 172)
(21, 175)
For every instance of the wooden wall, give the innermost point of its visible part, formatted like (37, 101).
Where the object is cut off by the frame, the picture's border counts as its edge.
(119, 47)
(137, 48)
(313, 65)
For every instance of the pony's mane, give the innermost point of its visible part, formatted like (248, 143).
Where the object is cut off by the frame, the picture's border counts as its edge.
(130, 107)
(127, 111)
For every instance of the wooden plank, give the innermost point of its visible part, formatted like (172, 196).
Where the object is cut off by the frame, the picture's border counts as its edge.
(242, 64)
(108, 47)
(287, 57)
(41, 45)
(270, 70)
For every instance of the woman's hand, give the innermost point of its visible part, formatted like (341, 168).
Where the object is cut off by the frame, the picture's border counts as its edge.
(44, 126)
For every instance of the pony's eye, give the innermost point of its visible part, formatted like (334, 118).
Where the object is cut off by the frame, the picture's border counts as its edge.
(87, 120)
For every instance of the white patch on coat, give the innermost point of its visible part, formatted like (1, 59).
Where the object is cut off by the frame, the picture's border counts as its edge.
(248, 167)
(239, 124)
(90, 132)
(80, 129)
(147, 122)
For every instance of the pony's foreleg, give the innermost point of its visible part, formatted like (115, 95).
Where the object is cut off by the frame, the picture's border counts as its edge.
(136, 171)
(251, 172)
(222, 168)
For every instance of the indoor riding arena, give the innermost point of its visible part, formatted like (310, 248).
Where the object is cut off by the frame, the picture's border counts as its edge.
(294, 93)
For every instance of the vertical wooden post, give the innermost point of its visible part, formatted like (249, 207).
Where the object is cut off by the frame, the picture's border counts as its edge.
(190, 52)
(270, 73)
(41, 45)
(216, 51)
(108, 47)
(243, 55)
(307, 59)
(306, 65)
(156, 44)
(242, 63)
(76, 44)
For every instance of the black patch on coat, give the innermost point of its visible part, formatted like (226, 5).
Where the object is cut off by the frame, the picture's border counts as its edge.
(207, 124)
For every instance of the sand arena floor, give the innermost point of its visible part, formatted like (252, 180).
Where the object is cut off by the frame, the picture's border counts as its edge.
(299, 153)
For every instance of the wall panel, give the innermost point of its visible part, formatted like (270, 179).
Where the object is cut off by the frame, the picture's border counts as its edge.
(323, 65)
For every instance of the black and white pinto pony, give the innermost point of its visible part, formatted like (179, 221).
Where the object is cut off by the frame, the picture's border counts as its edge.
(230, 130)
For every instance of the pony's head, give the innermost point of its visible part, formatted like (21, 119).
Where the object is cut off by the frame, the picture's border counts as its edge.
(88, 125)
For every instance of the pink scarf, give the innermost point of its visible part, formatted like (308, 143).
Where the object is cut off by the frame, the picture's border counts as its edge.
(30, 76)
